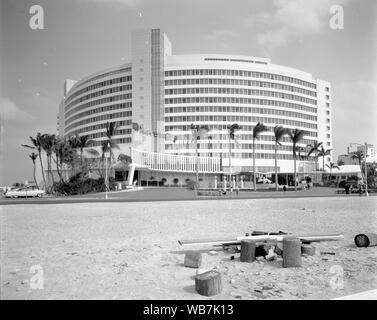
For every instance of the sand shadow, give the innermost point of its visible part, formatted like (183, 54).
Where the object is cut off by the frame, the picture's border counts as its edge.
(190, 289)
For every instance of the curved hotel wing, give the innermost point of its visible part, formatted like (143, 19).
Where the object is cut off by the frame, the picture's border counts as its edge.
(155, 98)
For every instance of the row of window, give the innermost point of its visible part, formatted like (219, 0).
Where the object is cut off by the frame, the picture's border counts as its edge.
(118, 132)
(124, 105)
(229, 118)
(100, 118)
(100, 101)
(107, 74)
(187, 139)
(224, 127)
(229, 109)
(97, 94)
(239, 73)
(99, 127)
(239, 100)
(265, 102)
(249, 155)
(235, 60)
(238, 82)
(117, 141)
(237, 91)
(239, 146)
(98, 85)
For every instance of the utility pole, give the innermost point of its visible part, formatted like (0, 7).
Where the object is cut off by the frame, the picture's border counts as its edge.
(366, 170)
(106, 174)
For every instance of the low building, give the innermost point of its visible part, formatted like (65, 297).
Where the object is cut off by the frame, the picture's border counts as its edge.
(343, 173)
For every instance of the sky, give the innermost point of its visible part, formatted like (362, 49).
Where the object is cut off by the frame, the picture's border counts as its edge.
(84, 36)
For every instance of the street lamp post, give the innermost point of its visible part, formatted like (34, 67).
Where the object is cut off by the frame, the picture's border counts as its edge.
(365, 161)
(106, 173)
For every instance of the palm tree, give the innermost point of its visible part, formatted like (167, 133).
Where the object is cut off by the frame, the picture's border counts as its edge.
(33, 156)
(359, 156)
(64, 153)
(83, 142)
(323, 153)
(315, 149)
(279, 133)
(296, 136)
(331, 166)
(110, 143)
(198, 132)
(36, 144)
(232, 129)
(48, 142)
(257, 130)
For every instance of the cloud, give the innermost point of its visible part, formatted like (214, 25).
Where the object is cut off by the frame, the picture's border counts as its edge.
(291, 20)
(220, 35)
(11, 112)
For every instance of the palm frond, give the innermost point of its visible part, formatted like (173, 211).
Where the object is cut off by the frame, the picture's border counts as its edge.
(258, 129)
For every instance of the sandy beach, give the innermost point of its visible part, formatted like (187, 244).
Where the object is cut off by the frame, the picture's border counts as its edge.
(130, 250)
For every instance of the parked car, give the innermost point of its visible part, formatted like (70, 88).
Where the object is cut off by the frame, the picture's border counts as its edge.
(24, 192)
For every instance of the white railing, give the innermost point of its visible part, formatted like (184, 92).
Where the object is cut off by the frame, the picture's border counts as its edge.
(171, 162)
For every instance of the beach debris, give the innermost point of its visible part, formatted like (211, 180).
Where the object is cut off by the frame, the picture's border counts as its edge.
(208, 283)
(328, 252)
(247, 251)
(203, 270)
(271, 255)
(262, 238)
(268, 287)
(193, 259)
(366, 240)
(262, 250)
(291, 252)
(231, 257)
(278, 249)
(213, 253)
(308, 249)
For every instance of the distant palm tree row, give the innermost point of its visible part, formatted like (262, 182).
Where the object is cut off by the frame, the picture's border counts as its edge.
(71, 150)
(68, 151)
(295, 135)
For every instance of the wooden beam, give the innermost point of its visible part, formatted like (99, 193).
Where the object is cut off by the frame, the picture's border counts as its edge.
(261, 238)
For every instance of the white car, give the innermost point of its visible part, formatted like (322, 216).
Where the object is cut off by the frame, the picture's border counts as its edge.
(24, 192)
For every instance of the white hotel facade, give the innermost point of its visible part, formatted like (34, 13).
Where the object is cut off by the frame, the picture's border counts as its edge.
(157, 96)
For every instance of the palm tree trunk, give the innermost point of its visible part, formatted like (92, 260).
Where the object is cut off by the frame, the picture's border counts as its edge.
(276, 167)
(35, 179)
(42, 169)
(295, 173)
(254, 177)
(51, 173)
(197, 162)
(58, 170)
(230, 162)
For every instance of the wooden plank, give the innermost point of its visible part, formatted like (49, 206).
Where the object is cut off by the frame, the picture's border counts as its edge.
(261, 238)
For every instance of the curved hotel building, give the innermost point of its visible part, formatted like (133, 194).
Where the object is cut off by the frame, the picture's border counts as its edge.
(157, 96)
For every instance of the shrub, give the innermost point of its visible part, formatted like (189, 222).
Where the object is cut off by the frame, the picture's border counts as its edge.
(175, 181)
(76, 185)
(191, 185)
